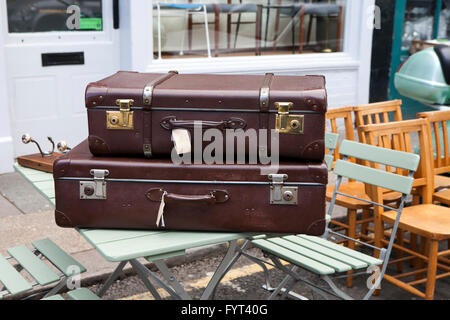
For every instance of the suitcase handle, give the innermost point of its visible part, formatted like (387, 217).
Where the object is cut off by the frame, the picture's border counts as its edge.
(215, 196)
(170, 123)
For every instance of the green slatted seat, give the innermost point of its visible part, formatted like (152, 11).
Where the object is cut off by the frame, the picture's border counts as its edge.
(82, 294)
(35, 266)
(12, 279)
(58, 257)
(325, 258)
(56, 297)
(78, 294)
(13, 282)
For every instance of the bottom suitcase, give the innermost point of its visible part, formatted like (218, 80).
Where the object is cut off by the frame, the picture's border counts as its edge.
(126, 193)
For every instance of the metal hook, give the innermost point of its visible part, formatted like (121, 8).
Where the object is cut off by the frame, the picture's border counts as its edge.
(63, 147)
(26, 138)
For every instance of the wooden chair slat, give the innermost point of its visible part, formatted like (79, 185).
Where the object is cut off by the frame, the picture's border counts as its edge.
(290, 256)
(373, 176)
(35, 266)
(354, 263)
(58, 257)
(344, 250)
(82, 294)
(12, 279)
(384, 156)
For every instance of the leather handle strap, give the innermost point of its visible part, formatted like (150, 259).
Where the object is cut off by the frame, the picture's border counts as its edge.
(213, 197)
(147, 96)
(264, 93)
(171, 122)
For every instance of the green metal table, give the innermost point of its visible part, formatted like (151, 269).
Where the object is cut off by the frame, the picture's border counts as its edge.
(127, 246)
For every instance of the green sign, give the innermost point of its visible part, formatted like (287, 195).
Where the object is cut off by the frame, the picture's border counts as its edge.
(91, 24)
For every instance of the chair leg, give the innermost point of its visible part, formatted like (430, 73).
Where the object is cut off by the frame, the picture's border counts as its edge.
(364, 226)
(308, 37)
(413, 246)
(190, 24)
(351, 232)
(216, 29)
(258, 31)
(302, 29)
(400, 242)
(432, 268)
(419, 264)
(277, 26)
(339, 30)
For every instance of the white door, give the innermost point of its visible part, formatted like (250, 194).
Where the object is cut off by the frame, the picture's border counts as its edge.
(49, 65)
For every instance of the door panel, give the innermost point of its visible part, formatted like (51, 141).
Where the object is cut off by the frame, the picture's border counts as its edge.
(49, 100)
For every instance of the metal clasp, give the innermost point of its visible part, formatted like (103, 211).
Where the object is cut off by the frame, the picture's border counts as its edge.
(281, 194)
(286, 123)
(122, 119)
(96, 189)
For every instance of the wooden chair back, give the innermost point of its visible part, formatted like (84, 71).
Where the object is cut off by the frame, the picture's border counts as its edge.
(333, 116)
(440, 149)
(375, 113)
(398, 136)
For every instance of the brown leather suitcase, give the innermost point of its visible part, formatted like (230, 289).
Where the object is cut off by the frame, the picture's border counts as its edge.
(134, 113)
(105, 192)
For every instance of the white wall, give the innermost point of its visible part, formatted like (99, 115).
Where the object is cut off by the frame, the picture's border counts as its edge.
(6, 145)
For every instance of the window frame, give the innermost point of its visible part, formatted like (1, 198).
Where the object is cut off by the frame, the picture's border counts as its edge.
(60, 37)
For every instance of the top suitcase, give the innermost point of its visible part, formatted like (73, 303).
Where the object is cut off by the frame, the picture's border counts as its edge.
(132, 113)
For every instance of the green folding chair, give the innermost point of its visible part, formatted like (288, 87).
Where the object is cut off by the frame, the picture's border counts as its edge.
(326, 259)
(46, 265)
(331, 142)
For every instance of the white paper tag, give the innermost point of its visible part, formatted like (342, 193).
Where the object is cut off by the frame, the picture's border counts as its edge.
(160, 216)
(181, 140)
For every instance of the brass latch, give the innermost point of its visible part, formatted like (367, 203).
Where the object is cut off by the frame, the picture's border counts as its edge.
(287, 123)
(122, 119)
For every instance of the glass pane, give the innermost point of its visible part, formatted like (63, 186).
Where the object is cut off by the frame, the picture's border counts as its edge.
(419, 21)
(444, 22)
(51, 15)
(198, 28)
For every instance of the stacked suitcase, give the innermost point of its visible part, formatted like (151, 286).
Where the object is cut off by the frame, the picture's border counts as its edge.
(198, 152)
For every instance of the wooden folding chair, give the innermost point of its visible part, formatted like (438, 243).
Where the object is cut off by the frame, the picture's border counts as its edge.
(326, 259)
(429, 221)
(439, 120)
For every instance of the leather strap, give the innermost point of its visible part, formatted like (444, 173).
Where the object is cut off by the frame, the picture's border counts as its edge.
(264, 93)
(147, 133)
(149, 87)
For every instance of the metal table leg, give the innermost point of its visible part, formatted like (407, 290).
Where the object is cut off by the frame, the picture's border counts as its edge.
(224, 266)
(146, 272)
(111, 278)
(171, 279)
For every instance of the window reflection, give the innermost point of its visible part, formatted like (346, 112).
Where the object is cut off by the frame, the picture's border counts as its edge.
(51, 15)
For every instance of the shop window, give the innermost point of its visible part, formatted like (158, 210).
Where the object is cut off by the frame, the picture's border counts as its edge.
(52, 15)
(221, 28)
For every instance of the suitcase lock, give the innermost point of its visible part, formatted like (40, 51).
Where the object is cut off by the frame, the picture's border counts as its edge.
(281, 194)
(286, 123)
(96, 189)
(122, 119)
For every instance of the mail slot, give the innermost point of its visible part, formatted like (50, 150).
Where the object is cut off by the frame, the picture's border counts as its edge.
(62, 59)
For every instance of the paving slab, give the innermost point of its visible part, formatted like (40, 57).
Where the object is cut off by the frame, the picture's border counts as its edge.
(26, 228)
(7, 208)
(22, 194)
